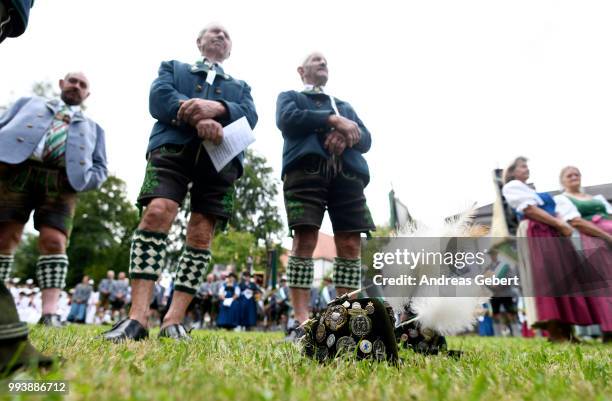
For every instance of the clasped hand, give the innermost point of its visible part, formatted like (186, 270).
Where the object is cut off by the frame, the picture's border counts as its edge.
(347, 128)
(200, 113)
(345, 134)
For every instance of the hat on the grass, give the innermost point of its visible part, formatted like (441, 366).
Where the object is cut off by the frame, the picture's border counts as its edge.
(410, 334)
(421, 340)
(350, 327)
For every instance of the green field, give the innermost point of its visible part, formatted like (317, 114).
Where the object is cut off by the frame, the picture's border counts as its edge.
(260, 366)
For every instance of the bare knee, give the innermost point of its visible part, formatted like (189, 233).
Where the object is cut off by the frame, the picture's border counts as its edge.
(200, 230)
(305, 241)
(51, 241)
(10, 235)
(348, 245)
(159, 215)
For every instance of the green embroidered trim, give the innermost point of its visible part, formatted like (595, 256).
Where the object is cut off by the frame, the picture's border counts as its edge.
(170, 149)
(228, 201)
(150, 180)
(295, 209)
(19, 183)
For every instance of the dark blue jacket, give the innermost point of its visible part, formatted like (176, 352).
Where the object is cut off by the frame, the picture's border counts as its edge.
(302, 119)
(15, 22)
(180, 81)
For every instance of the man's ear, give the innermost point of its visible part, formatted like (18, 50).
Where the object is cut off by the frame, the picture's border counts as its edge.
(61, 84)
(300, 71)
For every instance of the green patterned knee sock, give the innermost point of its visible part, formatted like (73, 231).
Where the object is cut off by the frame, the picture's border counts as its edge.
(300, 272)
(6, 265)
(147, 254)
(347, 273)
(51, 271)
(193, 266)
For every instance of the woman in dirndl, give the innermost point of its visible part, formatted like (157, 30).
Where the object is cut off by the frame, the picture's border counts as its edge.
(549, 265)
(591, 216)
(229, 311)
(247, 301)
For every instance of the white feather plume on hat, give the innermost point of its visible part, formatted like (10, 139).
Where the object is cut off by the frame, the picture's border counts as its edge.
(446, 315)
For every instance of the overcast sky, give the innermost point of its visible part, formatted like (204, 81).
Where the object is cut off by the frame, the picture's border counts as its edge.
(449, 89)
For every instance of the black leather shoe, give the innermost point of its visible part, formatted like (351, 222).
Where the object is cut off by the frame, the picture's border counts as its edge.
(176, 332)
(50, 320)
(126, 329)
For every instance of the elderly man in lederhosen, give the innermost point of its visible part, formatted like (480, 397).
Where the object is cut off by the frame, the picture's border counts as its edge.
(323, 169)
(192, 104)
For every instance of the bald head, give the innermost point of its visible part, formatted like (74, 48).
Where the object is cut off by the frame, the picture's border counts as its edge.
(312, 55)
(74, 88)
(313, 70)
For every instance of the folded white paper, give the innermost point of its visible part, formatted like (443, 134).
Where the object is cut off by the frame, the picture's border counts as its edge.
(228, 301)
(236, 138)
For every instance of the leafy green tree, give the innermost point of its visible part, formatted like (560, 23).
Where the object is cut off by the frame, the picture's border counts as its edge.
(103, 225)
(235, 247)
(39, 88)
(45, 89)
(255, 209)
(26, 257)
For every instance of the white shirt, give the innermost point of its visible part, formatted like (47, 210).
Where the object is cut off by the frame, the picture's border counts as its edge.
(210, 63)
(310, 87)
(519, 195)
(568, 210)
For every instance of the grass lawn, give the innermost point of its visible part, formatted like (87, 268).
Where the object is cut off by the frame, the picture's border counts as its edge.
(259, 366)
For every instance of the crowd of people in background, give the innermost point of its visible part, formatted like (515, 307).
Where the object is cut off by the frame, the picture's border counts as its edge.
(85, 303)
(228, 301)
(223, 301)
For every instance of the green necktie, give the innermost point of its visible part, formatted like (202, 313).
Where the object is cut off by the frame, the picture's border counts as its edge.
(55, 145)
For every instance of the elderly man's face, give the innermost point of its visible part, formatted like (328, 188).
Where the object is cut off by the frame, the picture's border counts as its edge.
(74, 88)
(215, 43)
(314, 70)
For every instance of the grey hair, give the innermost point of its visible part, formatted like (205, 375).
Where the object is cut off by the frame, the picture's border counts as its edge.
(207, 27)
(564, 170)
(203, 31)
